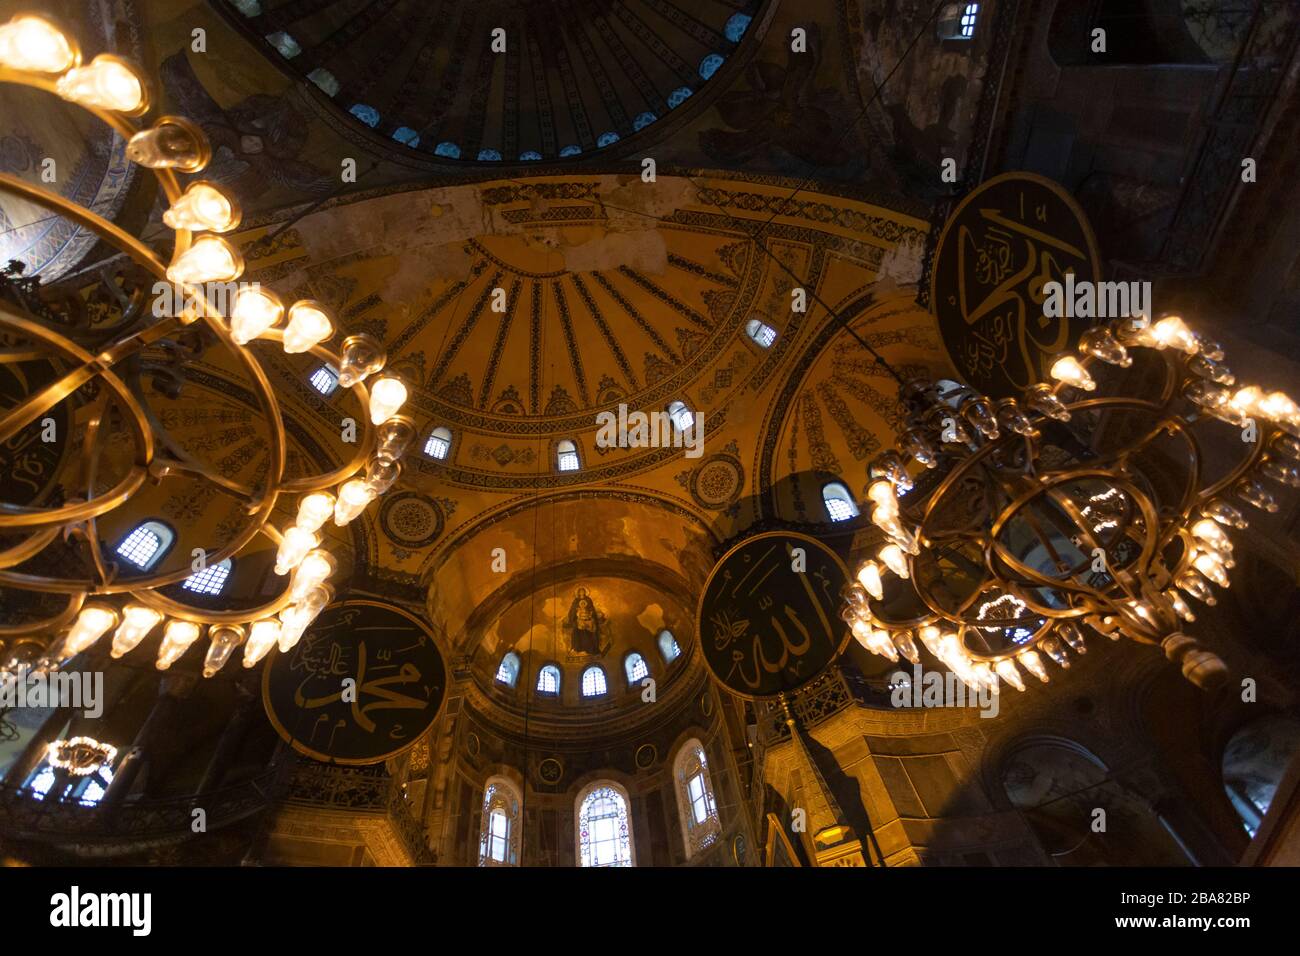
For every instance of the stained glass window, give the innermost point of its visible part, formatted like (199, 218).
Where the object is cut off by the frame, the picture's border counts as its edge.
(709, 65)
(449, 150)
(210, 580)
(146, 544)
(607, 139)
(736, 26)
(593, 682)
(968, 18)
(367, 114)
(636, 667)
(604, 834)
(678, 96)
(839, 503)
(668, 646)
(701, 825)
(548, 680)
(489, 156)
(406, 136)
(498, 842)
(643, 120)
(508, 672)
(570, 151)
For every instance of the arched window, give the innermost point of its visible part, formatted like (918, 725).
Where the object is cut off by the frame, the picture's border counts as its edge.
(571, 150)
(489, 156)
(406, 136)
(636, 667)
(604, 830)
(1253, 764)
(566, 456)
(508, 670)
(439, 443)
(760, 332)
(678, 96)
(286, 45)
(593, 681)
(643, 120)
(696, 805)
(324, 380)
(681, 416)
(957, 21)
(324, 79)
(367, 114)
(498, 840)
(530, 155)
(668, 647)
(210, 580)
(606, 139)
(548, 680)
(447, 149)
(839, 503)
(146, 544)
(709, 65)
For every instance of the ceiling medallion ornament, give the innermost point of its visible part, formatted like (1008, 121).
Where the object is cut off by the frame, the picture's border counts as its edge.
(1099, 501)
(98, 384)
(80, 756)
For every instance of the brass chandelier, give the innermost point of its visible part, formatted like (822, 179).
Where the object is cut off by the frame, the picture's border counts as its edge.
(36, 53)
(1012, 527)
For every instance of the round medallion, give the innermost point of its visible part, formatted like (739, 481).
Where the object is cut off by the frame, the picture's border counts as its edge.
(646, 755)
(473, 745)
(739, 849)
(411, 519)
(550, 770)
(769, 618)
(362, 685)
(1006, 240)
(717, 482)
(706, 704)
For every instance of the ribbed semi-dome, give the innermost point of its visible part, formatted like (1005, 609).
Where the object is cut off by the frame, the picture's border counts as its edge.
(575, 76)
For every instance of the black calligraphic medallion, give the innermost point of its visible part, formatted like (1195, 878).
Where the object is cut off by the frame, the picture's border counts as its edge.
(1009, 237)
(769, 618)
(363, 684)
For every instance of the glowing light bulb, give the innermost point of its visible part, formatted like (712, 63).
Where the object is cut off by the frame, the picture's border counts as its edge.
(352, 500)
(293, 623)
(1180, 606)
(262, 636)
(386, 397)
(210, 259)
(906, 646)
(1197, 587)
(1209, 531)
(223, 638)
(203, 207)
(294, 546)
(882, 493)
(175, 143)
(1211, 565)
(869, 578)
(1245, 401)
(1007, 670)
(32, 43)
(255, 310)
(1031, 662)
(1070, 633)
(314, 510)
(894, 559)
(1278, 407)
(137, 622)
(1070, 370)
(91, 624)
(107, 83)
(309, 323)
(1172, 333)
(930, 636)
(315, 568)
(177, 638)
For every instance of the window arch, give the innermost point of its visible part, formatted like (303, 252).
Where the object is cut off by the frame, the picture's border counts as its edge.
(593, 682)
(146, 544)
(604, 828)
(697, 808)
(438, 444)
(211, 579)
(1254, 761)
(548, 680)
(760, 332)
(957, 21)
(636, 667)
(498, 835)
(508, 669)
(325, 380)
(566, 456)
(839, 503)
(669, 647)
(681, 416)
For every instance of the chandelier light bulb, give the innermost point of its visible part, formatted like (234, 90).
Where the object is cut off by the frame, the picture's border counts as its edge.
(352, 500)
(177, 638)
(894, 559)
(91, 624)
(107, 83)
(386, 397)
(175, 143)
(1209, 531)
(1100, 343)
(210, 259)
(1288, 446)
(1197, 587)
(203, 207)
(1043, 400)
(1209, 369)
(1278, 407)
(223, 639)
(294, 546)
(293, 622)
(36, 45)
(1280, 471)
(1225, 514)
(361, 356)
(255, 310)
(930, 636)
(1211, 565)
(1253, 492)
(314, 570)
(1031, 662)
(1053, 648)
(262, 636)
(882, 645)
(882, 493)
(137, 622)
(1072, 636)
(869, 578)
(906, 646)
(309, 324)
(314, 510)
(1181, 607)
(1245, 401)
(380, 474)
(1172, 333)
(393, 436)
(1009, 672)
(1070, 370)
